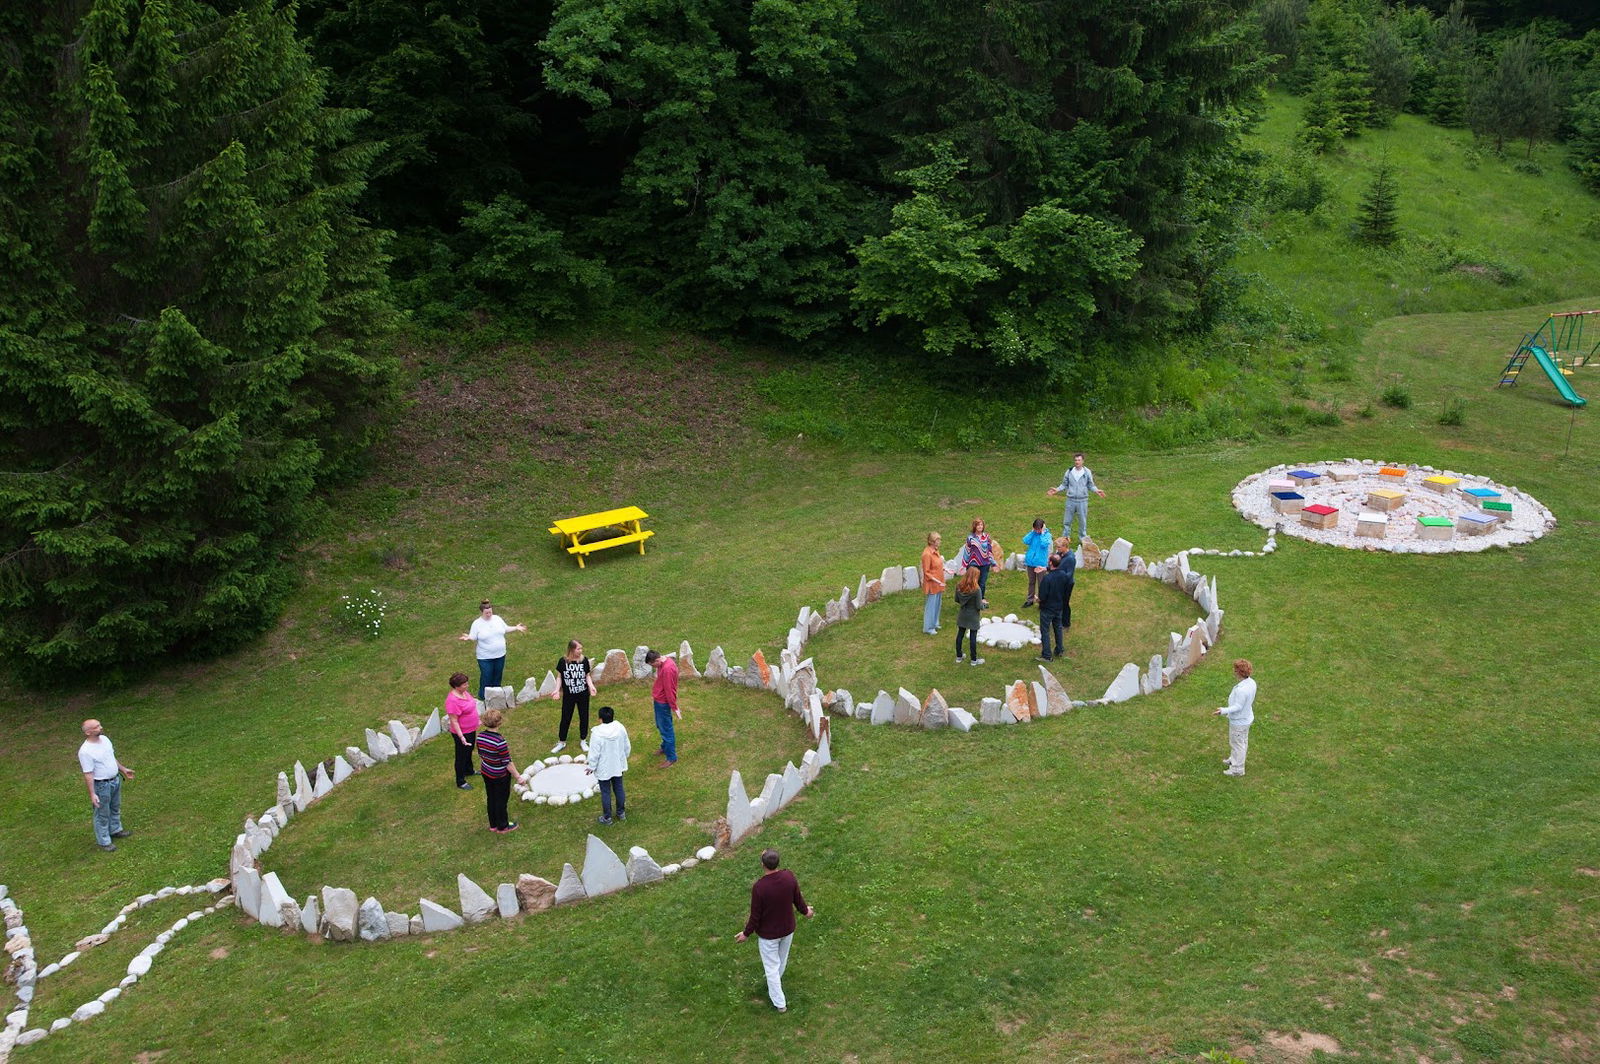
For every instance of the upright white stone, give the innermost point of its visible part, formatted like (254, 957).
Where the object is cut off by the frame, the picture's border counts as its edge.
(247, 892)
(310, 915)
(1153, 674)
(570, 889)
(603, 871)
(302, 788)
(906, 707)
(432, 727)
(401, 737)
(893, 579)
(861, 592)
(686, 659)
(989, 710)
(844, 703)
(772, 793)
(505, 900)
(437, 917)
(1117, 556)
(324, 785)
(793, 783)
(339, 910)
(808, 767)
(386, 747)
(882, 709)
(640, 669)
(741, 818)
(825, 748)
(1125, 686)
(717, 665)
(549, 685)
(476, 905)
(960, 719)
(1041, 698)
(341, 769)
(273, 898)
(359, 758)
(1214, 624)
(642, 868)
(371, 921)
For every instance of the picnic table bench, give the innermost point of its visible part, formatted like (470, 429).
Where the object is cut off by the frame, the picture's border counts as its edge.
(572, 530)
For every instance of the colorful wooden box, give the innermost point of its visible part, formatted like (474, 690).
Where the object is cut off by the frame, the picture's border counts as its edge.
(1320, 516)
(1442, 485)
(1392, 472)
(1385, 499)
(1435, 528)
(1305, 477)
(1287, 502)
(1476, 524)
(1343, 476)
(1372, 525)
(1281, 484)
(1500, 509)
(1479, 494)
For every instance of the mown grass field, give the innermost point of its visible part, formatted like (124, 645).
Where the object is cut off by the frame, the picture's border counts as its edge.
(1410, 868)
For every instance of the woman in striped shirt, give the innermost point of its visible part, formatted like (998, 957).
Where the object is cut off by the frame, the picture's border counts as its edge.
(980, 552)
(496, 768)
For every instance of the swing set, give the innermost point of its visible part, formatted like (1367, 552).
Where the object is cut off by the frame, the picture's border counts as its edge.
(1557, 347)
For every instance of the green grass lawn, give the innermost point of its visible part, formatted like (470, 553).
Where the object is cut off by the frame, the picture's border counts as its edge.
(1410, 867)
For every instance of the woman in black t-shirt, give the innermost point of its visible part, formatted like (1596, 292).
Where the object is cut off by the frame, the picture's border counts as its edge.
(574, 685)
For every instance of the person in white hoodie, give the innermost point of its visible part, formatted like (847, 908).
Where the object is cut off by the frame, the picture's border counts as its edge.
(608, 760)
(1240, 712)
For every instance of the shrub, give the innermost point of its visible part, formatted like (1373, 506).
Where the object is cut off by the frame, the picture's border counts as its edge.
(1454, 414)
(1397, 396)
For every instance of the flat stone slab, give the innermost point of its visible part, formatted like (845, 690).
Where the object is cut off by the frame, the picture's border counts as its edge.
(603, 870)
(437, 917)
(561, 781)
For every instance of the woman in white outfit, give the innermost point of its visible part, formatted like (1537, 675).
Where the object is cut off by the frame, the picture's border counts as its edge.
(1240, 712)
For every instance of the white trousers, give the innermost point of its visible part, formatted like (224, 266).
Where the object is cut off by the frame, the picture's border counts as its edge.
(774, 959)
(1238, 744)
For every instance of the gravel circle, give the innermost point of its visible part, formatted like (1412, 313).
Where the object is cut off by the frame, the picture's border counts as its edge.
(1345, 484)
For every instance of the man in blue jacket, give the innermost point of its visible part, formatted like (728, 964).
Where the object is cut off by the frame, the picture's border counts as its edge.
(1055, 602)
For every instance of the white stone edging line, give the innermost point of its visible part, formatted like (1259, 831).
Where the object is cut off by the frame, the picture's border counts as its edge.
(27, 983)
(261, 894)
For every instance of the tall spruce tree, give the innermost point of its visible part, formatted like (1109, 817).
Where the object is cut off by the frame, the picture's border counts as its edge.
(1051, 162)
(1378, 216)
(185, 335)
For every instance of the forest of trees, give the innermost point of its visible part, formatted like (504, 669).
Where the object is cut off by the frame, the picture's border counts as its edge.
(213, 209)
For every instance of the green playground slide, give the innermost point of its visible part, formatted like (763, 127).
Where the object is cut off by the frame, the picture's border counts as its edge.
(1559, 379)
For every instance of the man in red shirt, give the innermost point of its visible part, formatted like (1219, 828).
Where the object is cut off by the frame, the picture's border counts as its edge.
(774, 899)
(665, 695)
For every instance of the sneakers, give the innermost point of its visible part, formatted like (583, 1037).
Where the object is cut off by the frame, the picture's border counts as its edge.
(976, 661)
(463, 786)
(121, 834)
(583, 744)
(509, 828)
(959, 659)
(1233, 772)
(1042, 657)
(560, 746)
(109, 847)
(1227, 762)
(603, 820)
(621, 815)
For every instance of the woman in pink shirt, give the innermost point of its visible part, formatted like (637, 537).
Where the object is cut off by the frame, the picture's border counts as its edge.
(462, 712)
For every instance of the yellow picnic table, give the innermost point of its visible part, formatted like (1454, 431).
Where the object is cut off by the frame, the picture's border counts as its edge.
(572, 529)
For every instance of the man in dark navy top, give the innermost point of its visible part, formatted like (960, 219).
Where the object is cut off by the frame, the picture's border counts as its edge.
(774, 899)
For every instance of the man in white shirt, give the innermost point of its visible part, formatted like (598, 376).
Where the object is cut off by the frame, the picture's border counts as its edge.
(1076, 484)
(1240, 712)
(102, 774)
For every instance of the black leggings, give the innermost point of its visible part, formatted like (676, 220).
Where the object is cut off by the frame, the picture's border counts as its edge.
(497, 792)
(972, 641)
(568, 702)
(464, 756)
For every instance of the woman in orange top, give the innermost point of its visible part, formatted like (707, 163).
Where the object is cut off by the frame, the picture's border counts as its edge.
(932, 584)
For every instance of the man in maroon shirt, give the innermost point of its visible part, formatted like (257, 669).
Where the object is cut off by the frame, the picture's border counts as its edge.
(665, 695)
(774, 899)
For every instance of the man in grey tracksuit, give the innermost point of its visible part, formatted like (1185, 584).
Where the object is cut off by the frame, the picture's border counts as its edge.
(1076, 484)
